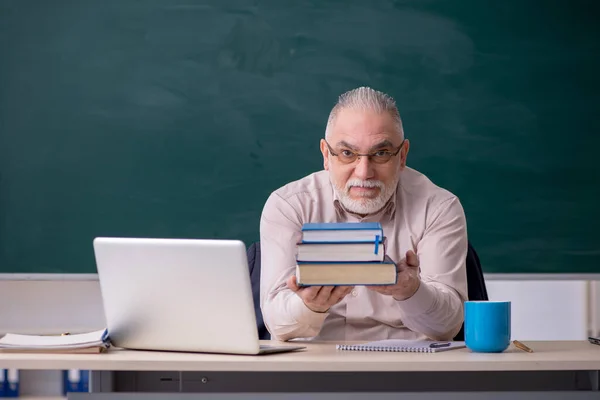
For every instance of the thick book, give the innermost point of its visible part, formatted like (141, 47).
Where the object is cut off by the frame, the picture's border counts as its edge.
(342, 232)
(346, 273)
(404, 346)
(92, 342)
(357, 252)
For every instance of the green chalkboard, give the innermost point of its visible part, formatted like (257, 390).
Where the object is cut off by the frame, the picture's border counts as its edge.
(177, 118)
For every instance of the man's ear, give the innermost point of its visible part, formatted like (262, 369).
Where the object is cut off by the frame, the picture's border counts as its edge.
(404, 153)
(325, 152)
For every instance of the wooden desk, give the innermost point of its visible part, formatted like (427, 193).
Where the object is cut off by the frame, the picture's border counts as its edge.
(547, 356)
(562, 365)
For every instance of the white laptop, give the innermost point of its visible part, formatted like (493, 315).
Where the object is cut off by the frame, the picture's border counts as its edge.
(179, 295)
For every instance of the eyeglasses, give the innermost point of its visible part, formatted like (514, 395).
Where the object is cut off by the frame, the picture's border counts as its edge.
(378, 157)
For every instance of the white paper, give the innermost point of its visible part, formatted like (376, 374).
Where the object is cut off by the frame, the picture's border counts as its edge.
(13, 340)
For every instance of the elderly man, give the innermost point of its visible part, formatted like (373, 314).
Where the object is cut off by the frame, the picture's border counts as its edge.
(365, 178)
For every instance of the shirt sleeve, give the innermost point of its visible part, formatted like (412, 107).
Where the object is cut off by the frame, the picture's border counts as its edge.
(285, 314)
(436, 309)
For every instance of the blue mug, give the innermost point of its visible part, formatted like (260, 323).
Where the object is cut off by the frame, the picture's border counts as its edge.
(487, 326)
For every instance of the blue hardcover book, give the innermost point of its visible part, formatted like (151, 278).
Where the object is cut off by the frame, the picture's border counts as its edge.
(342, 232)
(341, 252)
(2, 382)
(75, 380)
(11, 383)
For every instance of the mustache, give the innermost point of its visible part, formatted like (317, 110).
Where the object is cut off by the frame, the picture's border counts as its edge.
(366, 184)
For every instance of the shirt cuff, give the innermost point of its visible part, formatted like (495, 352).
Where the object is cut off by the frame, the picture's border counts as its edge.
(304, 315)
(421, 302)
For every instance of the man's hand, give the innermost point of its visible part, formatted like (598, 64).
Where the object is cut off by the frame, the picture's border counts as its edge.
(318, 298)
(408, 279)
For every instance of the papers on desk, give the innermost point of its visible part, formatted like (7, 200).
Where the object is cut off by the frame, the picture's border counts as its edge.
(92, 342)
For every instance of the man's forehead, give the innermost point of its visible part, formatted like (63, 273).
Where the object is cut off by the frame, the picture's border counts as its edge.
(370, 145)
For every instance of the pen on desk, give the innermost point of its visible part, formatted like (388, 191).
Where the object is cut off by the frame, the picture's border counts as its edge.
(521, 346)
(438, 345)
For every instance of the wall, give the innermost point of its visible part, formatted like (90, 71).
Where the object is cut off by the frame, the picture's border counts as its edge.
(546, 310)
(542, 309)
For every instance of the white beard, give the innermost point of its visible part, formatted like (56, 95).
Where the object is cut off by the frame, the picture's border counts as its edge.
(364, 205)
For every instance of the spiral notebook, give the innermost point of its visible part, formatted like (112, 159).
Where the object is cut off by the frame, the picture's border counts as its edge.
(404, 346)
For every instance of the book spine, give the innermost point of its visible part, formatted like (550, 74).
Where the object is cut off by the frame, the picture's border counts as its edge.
(338, 241)
(75, 380)
(299, 262)
(341, 226)
(11, 383)
(376, 237)
(2, 382)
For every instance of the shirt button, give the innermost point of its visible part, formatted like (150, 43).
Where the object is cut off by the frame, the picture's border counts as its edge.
(354, 293)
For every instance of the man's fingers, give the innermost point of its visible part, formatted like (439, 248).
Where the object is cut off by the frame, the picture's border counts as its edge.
(308, 293)
(340, 292)
(311, 293)
(324, 294)
(412, 260)
(321, 295)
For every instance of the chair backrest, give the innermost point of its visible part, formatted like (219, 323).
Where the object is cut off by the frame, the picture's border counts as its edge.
(253, 253)
(475, 285)
(476, 289)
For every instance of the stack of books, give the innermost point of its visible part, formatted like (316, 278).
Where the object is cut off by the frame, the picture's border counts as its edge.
(92, 342)
(347, 253)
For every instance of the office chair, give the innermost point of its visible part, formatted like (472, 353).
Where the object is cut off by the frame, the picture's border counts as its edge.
(253, 253)
(475, 285)
(476, 289)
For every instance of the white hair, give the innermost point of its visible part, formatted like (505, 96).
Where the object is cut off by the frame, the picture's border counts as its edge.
(365, 98)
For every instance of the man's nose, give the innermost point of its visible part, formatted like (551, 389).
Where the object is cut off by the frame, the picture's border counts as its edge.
(364, 168)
